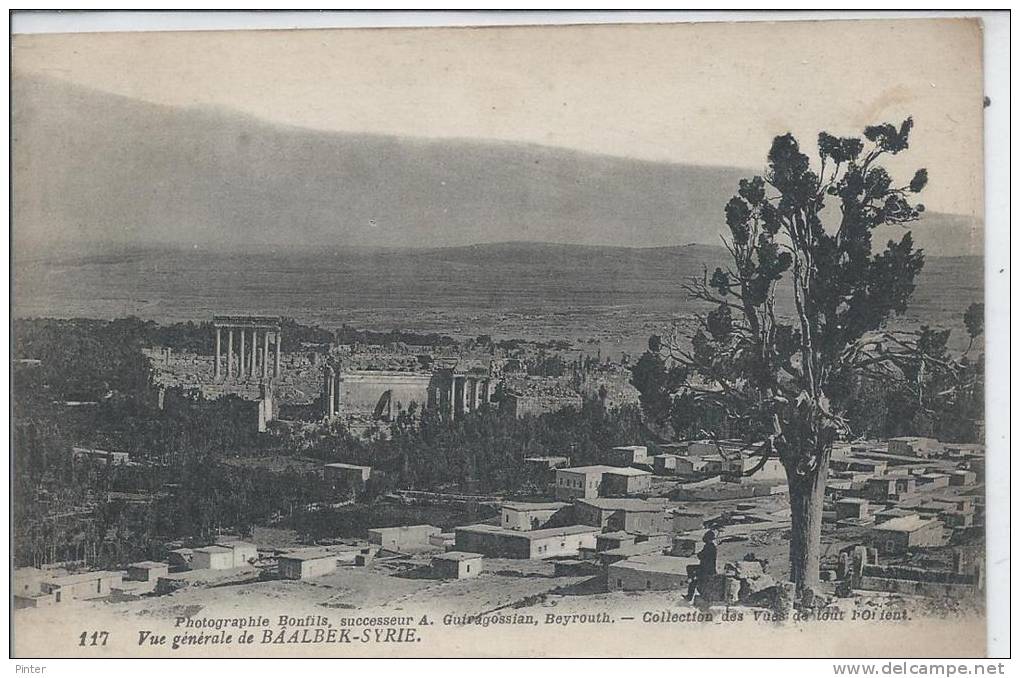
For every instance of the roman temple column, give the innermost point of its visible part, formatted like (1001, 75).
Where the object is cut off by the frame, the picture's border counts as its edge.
(265, 355)
(330, 391)
(241, 359)
(276, 367)
(216, 369)
(453, 396)
(254, 352)
(230, 352)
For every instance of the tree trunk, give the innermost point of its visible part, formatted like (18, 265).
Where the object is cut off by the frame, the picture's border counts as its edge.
(806, 495)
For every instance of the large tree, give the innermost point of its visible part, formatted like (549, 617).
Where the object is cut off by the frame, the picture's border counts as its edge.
(802, 234)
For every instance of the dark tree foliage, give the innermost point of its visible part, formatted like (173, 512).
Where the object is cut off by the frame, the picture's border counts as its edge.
(974, 321)
(655, 383)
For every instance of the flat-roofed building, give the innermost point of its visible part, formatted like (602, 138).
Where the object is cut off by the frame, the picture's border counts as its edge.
(579, 481)
(547, 463)
(457, 565)
(871, 466)
(737, 470)
(900, 534)
(147, 570)
(81, 586)
(702, 448)
(242, 553)
(892, 513)
(28, 580)
(22, 601)
(623, 514)
(638, 548)
(608, 541)
(852, 508)
(962, 477)
(203, 578)
(665, 464)
(963, 450)
(516, 515)
(496, 542)
(620, 482)
(403, 538)
(307, 563)
(680, 449)
(889, 488)
(915, 446)
(954, 503)
(212, 558)
(180, 557)
(443, 540)
(652, 572)
(688, 466)
(628, 455)
(932, 481)
(346, 476)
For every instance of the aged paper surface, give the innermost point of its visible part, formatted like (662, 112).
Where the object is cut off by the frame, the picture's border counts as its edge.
(488, 342)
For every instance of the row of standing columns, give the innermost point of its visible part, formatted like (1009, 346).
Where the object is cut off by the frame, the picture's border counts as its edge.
(249, 362)
(464, 394)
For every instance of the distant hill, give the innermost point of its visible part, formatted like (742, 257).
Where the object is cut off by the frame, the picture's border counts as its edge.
(599, 296)
(93, 167)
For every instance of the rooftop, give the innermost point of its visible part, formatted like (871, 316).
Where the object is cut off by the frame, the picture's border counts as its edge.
(208, 575)
(640, 548)
(533, 534)
(318, 553)
(67, 579)
(597, 468)
(402, 528)
(905, 524)
(350, 466)
(627, 471)
(534, 506)
(457, 555)
(213, 549)
(624, 504)
(657, 563)
(148, 564)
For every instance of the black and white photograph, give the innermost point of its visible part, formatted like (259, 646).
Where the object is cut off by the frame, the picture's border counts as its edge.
(579, 340)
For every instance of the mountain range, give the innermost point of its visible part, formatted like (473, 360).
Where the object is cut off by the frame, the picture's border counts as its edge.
(94, 170)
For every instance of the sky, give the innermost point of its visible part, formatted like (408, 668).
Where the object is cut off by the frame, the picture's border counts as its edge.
(710, 94)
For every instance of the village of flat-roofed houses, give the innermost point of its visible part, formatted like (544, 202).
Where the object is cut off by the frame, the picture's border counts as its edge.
(902, 517)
